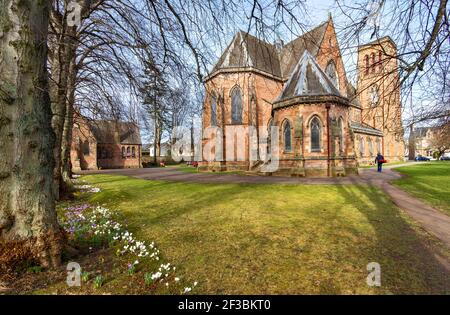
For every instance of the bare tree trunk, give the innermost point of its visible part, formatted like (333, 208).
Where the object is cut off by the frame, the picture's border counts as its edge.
(60, 72)
(27, 205)
(192, 142)
(411, 144)
(155, 140)
(158, 141)
(66, 165)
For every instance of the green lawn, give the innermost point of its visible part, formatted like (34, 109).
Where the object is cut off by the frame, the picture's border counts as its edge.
(428, 181)
(274, 239)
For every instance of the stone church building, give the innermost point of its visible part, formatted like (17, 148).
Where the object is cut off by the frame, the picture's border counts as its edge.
(105, 144)
(326, 127)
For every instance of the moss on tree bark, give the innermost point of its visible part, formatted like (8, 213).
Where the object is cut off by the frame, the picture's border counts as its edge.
(27, 204)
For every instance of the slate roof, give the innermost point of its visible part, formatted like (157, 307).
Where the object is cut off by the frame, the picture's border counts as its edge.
(105, 132)
(351, 95)
(308, 79)
(291, 52)
(246, 50)
(366, 129)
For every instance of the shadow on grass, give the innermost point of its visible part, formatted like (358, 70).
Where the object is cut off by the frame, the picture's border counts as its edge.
(271, 257)
(166, 209)
(407, 259)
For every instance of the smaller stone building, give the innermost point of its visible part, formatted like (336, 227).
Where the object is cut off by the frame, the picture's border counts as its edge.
(105, 144)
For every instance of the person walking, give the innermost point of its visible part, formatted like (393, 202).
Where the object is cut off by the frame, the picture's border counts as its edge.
(379, 160)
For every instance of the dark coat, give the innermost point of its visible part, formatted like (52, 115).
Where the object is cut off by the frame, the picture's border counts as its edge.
(379, 158)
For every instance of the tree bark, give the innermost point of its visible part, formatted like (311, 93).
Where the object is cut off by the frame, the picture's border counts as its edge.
(157, 139)
(66, 165)
(65, 52)
(27, 204)
(411, 144)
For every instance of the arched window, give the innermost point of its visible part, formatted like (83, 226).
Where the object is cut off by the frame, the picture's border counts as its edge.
(86, 149)
(330, 70)
(124, 154)
(102, 152)
(341, 134)
(374, 95)
(287, 136)
(361, 147)
(378, 145)
(366, 60)
(315, 134)
(269, 135)
(236, 106)
(269, 124)
(380, 60)
(374, 63)
(370, 144)
(128, 152)
(213, 111)
(133, 152)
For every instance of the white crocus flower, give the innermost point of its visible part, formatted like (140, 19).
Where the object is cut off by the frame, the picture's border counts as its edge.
(186, 290)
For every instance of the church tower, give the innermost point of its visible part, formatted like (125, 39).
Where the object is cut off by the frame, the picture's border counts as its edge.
(379, 94)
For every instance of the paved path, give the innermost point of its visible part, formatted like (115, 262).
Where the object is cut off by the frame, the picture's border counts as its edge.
(173, 174)
(434, 221)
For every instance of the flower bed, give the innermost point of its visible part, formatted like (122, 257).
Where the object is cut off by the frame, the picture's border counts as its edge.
(95, 227)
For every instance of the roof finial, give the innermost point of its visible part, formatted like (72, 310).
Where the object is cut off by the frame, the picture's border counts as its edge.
(329, 16)
(279, 43)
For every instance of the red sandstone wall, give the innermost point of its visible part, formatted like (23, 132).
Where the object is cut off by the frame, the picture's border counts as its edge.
(386, 116)
(329, 50)
(93, 160)
(117, 161)
(314, 162)
(265, 89)
(81, 134)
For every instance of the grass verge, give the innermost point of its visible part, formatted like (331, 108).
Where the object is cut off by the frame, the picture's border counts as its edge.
(429, 182)
(279, 239)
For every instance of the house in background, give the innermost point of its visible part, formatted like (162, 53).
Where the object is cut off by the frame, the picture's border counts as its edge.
(164, 150)
(426, 141)
(423, 138)
(105, 144)
(165, 154)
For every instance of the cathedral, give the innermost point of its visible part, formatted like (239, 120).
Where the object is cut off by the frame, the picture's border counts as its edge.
(295, 102)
